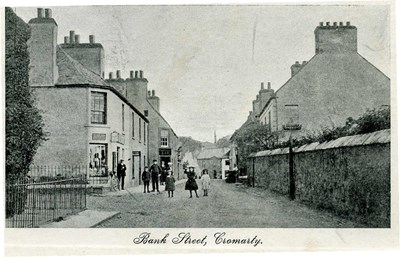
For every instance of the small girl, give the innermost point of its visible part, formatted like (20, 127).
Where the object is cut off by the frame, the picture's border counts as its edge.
(205, 182)
(170, 184)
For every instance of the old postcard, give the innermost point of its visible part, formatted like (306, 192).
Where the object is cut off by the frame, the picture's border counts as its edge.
(200, 128)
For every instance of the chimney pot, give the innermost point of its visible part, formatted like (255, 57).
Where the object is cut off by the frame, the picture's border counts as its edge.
(141, 74)
(91, 39)
(297, 62)
(335, 24)
(327, 23)
(47, 13)
(77, 39)
(118, 74)
(153, 92)
(269, 85)
(341, 23)
(347, 23)
(262, 85)
(66, 40)
(136, 74)
(304, 62)
(131, 74)
(40, 12)
(149, 93)
(71, 36)
(321, 24)
(110, 75)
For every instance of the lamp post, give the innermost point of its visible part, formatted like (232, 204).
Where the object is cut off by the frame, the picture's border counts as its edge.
(292, 179)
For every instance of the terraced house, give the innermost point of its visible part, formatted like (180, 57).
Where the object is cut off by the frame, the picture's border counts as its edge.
(90, 121)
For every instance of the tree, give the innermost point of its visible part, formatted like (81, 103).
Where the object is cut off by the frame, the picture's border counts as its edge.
(24, 125)
(253, 137)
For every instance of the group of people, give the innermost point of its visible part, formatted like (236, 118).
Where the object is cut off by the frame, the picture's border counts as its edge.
(155, 172)
(163, 175)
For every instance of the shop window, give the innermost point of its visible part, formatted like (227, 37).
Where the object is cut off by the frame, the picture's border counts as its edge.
(98, 108)
(98, 159)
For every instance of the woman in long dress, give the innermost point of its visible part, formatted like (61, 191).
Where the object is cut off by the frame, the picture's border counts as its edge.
(191, 184)
(205, 182)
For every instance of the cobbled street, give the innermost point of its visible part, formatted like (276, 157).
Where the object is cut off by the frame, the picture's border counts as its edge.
(228, 205)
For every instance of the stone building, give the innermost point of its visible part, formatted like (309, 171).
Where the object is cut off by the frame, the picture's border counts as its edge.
(93, 122)
(163, 142)
(336, 83)
(216, 161)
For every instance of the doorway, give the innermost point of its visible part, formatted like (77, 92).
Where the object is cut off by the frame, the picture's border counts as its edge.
(136, 167)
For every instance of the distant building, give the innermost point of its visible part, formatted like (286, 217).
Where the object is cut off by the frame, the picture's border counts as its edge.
(216, 161)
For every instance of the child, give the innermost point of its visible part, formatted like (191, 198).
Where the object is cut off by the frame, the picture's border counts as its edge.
(205, 182)
(170, 184)
(146, 180)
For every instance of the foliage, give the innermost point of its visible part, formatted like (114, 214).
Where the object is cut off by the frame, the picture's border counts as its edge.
(190, 145)
(24, 124)
(223, 142)
(253, 137)
(372, 120)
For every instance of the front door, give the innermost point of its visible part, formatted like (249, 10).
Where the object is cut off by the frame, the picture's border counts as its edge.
(136, 167)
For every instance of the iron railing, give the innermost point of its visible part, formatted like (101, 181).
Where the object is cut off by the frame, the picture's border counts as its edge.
(45, 194)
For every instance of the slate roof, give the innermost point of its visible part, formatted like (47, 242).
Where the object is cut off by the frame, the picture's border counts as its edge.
(377, 137)
(209, 153)
(71, 72)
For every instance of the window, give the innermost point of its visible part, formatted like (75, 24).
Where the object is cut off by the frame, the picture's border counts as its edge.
(98, 108)
(144, 132)
(140, 130)
(227, 162)
(164, 138)
(97, 159)
(123, 117)
(133, 125)
(146, 113)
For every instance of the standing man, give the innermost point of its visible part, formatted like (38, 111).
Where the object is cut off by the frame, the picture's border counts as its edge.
(146, 180)
(121, 173)
(155, 171)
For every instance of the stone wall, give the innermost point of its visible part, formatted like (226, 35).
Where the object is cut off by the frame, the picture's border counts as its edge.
(349, 176)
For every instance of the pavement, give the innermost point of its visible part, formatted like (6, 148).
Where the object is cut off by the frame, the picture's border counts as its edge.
(93, 218)
(84, 219)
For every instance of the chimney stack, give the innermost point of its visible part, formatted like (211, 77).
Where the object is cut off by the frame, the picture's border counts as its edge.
(141, 74)
(118, 74)
(42, 48)
(77, 39)
(131, 74)
(71, 37)
(329, 39)
(149, 93)
(91, 39)
(40, 12)
(47, 13)
(262, 85)
(136, 74)
(66, 40)
(110, 75)
(269, 85)
(153, 92)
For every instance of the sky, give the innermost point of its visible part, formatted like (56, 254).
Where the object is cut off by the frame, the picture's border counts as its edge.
(206, 63)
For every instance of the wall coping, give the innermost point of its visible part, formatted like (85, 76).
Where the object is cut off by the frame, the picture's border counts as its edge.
(377, 137)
